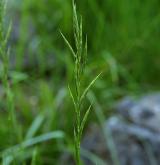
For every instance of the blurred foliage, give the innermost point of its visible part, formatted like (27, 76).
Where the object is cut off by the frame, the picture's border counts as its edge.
(123, 42)
(126, 30)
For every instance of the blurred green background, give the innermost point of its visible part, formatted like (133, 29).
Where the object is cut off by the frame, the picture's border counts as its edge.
(123, 42)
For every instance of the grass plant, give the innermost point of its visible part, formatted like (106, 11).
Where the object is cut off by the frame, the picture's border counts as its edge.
(80, 58)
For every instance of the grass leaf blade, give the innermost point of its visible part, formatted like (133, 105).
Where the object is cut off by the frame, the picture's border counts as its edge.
(89, 86)
(85, 119)
(34, 126)
(68, 44)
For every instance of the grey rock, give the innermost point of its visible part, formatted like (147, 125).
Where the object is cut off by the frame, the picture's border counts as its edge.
(132, 134)
(135, 130)
(144, 112)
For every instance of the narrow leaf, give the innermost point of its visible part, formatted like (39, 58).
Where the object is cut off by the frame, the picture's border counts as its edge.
(89, 86)
(85, 53)
(68, 44)
(85, 119)
(34, 126)
(35, 140)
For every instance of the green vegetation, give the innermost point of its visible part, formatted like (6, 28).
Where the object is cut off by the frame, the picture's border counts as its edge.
(80, 61)
(36, 110)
